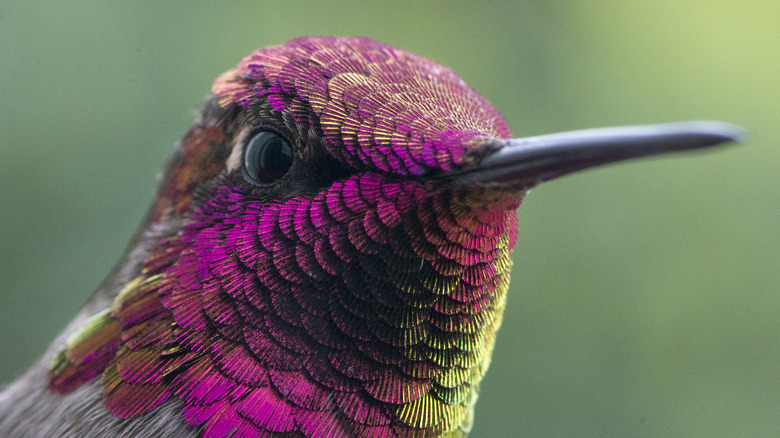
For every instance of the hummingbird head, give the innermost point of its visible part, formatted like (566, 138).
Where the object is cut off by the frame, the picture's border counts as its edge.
(321, 227)
(291, 120)
(348, 216)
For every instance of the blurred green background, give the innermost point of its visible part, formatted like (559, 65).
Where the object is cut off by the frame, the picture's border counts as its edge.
(645, 299)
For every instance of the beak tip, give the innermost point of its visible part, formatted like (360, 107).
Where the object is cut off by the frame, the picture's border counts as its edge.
(718, 132)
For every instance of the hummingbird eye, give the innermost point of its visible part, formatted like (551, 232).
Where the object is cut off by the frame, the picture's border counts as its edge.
(267, 158)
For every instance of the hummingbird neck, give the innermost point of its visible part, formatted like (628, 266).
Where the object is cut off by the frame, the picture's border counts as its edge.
(374, 293)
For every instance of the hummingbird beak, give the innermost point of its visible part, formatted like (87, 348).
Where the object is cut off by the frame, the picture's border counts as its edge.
(530, 161)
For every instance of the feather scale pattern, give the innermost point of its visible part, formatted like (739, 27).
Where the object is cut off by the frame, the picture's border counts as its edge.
(365, 307)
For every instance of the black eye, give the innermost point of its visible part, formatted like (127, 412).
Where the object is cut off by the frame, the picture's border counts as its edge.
(267, 157)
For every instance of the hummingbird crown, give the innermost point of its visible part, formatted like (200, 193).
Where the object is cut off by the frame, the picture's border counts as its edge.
(375, 107)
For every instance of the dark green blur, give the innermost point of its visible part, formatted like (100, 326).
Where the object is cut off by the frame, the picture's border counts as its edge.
(645, 298)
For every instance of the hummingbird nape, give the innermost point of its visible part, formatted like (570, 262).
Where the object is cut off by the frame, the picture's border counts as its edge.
(328, 255)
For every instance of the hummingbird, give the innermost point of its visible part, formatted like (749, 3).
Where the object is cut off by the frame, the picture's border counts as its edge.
(327, 255)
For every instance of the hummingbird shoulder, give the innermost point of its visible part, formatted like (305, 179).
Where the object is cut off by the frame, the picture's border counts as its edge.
(328, 255)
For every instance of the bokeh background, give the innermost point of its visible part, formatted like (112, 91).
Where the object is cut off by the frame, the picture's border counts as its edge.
(645, 298)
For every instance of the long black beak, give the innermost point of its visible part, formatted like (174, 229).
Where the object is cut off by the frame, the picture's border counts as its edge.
(530, 161)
